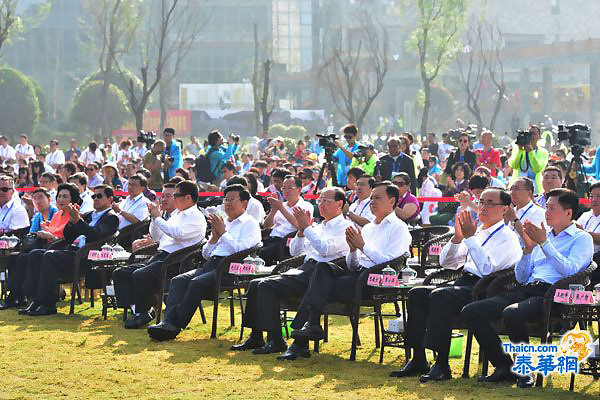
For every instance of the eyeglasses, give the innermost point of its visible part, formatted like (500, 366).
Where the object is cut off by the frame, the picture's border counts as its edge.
(487, 204)
(97, 196)
(5, 189)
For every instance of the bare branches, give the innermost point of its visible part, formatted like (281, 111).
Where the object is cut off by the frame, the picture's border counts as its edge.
(355, 66)
(262, 77)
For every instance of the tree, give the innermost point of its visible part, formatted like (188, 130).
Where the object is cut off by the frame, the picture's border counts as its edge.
(355, 66)
(9, 20)
(481, 61)
(262, 88)
(436, 40)
(84, 111)
(21, 113)
(114, 26)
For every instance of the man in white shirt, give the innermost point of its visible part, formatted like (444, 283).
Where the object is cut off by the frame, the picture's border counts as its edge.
(228, 236)
(589, 221)
(55, 158)
(94, 178)
(281, 218)
(167, 207)
(480, 251)
(521, 193)
(139, 284)
(48, 181)
(552, 179)
(80, 180)
(23, 150)
(13, 215)
(91, 154)
(255, 208)
(319, 243)
(380, 241)
(359, 212)
(133, 209)
(7, 152)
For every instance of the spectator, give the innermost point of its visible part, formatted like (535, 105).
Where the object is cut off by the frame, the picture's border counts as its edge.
(73, 150)
(359, 212)
(552, 179)
(488, 156)
(462, 154)
(56, 157)
(394, 162)
(228, 171)
(7, 152)
(366, 158)
(125, 155)
(173, 157)
(23, 178)
(408, 206)
(485, 171)
(153, 164)
(246, 163)
(48, 181)
(344, 154)
(216, 155)
(140, 150)
(94, 178)
(80, 180)
(530, 160)
(23, 150)
(111, 176)
(264, 142)
(91, 154)
(458, 181)
(134, 208)
(193, 148)
(37, 169)
(521, 193)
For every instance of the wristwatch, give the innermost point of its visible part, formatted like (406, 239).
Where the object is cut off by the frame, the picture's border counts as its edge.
(515, 220)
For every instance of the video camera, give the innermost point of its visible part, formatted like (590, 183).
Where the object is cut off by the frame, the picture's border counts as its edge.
(577, 134)
(523, 138)
(454, 134)
(148, 138)
(327, 142)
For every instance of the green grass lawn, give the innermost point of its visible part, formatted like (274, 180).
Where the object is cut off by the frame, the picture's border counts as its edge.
(84, 357)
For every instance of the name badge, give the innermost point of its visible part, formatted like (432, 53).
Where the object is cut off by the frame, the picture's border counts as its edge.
(93, 255)
(583, 297)
(248, 269)
(374, 280)
(390, 281)
(234, 268)
(435, 249)
(562, 296)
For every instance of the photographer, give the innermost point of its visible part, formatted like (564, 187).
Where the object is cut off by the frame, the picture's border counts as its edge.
(172, 154)
(365, 158)
(152, 163)
(344, 155)
(528, 159)
(462, 154)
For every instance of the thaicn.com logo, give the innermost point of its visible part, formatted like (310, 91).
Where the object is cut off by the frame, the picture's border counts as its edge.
(575, 347)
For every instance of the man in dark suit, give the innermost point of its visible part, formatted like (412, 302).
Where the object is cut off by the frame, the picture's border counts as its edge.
(396, 161)
(56, 264)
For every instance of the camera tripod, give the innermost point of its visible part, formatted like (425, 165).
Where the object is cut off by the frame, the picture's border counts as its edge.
(330, 167)
(577, 183)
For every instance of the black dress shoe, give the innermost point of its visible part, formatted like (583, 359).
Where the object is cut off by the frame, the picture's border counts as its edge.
(525, 381)
(253, 342)
(163, 331)
(295, 351)
(437, 373)
(501, 374)
(412, 368)
(11, 303)
(271, 347)
(309, 332)
(138, 321)
(42, 310)
(26, 310)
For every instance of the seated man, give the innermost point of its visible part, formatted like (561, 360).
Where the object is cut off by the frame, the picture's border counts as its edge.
(552, 179)
(139, 284)
(481, 251)
(255, 208)
(521, 194)
(167, 207)
(55, 264)
(359, 211)
(239, 232)
(87, 203)
(320, 243)
(13, 216)
(547, 258)
(133, 209)
(281, 218)
(589, 221)
(380, 241)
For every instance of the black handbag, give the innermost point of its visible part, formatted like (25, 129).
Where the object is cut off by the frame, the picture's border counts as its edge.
(32, 241)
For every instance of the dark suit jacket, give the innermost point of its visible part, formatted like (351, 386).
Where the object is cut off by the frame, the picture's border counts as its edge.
(454, 157)
(106, 226)
(406, 164)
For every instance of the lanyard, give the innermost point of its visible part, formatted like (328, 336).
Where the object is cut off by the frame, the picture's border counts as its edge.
(133, 204)
(8, 211)
(521, 217)
(586, 224)
(363, 209)
(396, 163)
(493, 233)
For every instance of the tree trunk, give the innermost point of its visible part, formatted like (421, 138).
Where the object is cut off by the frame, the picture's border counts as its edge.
(426, 107)
(501, 91)
(163, 96)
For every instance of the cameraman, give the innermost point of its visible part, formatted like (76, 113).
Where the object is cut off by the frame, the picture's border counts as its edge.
(529, 160)
(344, 155)
(172, 154)
(152, 163)
(365, 158)
(462, 154)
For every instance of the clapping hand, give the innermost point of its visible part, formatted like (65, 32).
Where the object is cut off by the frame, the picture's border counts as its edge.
(537, 235)
(275, 202)
(217, 225)
(354, 239)
(510, 215)
(74, 213)
(303, 218)
(116, 208)
(468, 227)
(463, 198)
(27, 200)
(154, 210)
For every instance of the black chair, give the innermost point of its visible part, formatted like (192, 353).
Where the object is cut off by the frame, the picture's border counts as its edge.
(421, 236)
(127, 234)
(427, 260)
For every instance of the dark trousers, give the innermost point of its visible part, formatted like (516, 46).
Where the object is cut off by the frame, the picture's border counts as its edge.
(56, 266)
(515, 308)
(27, 270)
(270, 250)
(139, 284)
(327, 283)
(432, 311)
(17, 270)
(187, 291)
(595, 278)
(264, 297)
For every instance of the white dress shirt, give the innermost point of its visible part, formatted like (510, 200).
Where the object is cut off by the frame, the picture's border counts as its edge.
(281, 226)
(533, 213)
(13, 216)
(155, 233)
(24, 150)
(7, 153)
(126, 156)
(240, 234)
(591, 224)
(362, 208)
(56, 157)
(183, 229)
(384, 241)
(323, 242)
(87, 203)
(136, 206)
(489, 250)
(255, 209)
(88, 157)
